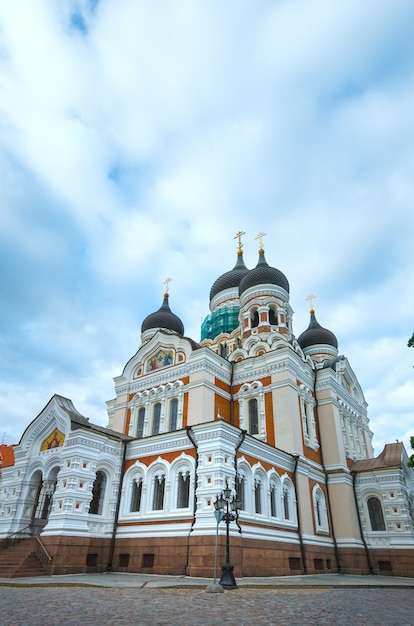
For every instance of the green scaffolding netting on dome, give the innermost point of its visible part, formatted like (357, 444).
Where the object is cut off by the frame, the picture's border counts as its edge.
(224, 320)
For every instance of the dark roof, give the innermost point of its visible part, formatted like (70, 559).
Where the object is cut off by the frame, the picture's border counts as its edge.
(263, 274)
(391, 456)
(231, 278)
(80, 421)
(163, 318)
(315, 335)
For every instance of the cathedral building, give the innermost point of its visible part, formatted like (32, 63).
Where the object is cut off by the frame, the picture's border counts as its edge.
(278, 419)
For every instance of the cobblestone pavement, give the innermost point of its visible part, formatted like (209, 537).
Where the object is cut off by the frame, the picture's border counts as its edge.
(86, 606)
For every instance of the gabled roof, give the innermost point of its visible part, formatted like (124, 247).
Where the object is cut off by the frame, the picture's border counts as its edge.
(391, 456)
(80, 421)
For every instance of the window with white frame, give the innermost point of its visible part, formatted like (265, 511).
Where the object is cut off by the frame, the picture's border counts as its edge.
(158, 492)
(173, 414)
(183, 489)
(240, 490)
(136, 495)
(98, 493)
(288, 501)
(274, 498)
(253, 424)
(258, 495)
(156, 418)
(140, 422)
(319, 509)
(376, 516)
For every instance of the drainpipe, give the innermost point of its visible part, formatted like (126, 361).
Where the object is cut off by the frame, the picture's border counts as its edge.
(371, 569)
(328, 499)
(190, 435)
(302, 546)
(118, 505)
(242, 437)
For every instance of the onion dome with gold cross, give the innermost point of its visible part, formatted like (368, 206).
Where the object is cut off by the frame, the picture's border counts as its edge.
(263, 274)
(316, 341)
(224, 299)
(163, 319)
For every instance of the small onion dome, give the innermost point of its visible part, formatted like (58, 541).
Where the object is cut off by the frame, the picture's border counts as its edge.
(230, 279)
(263, 274)
(163, 318)
(316, 335)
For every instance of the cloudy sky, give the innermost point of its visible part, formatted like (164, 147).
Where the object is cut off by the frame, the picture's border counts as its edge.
(137, 138)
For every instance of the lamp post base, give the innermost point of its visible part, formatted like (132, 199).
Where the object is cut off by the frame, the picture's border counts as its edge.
(227, 579)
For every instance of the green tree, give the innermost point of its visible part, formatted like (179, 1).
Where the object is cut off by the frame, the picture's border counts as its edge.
(411, 341)
(411, 459)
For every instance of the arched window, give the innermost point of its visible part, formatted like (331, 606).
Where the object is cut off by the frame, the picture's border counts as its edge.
(287, 504)
(183, 490)
(273, 500)
(253, 417)
(156, 417)
(272, 318)
(319, 507)
(140, 422)
(158, 494)
(173, 414)
(254, 319)
(240, 488)
(98, 494)
(376, 516)
(136, 495)
(258, 496)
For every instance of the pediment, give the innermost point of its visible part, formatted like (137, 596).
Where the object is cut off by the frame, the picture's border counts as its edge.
(161, 352)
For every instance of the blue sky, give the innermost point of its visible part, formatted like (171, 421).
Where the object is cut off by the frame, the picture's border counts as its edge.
(137, 138)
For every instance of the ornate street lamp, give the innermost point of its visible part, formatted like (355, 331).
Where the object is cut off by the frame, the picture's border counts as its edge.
(226, 508)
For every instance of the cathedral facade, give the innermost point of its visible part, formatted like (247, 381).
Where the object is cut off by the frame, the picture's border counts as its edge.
(279, 420)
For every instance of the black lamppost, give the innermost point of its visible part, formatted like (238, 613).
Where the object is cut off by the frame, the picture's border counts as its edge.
(229, 506)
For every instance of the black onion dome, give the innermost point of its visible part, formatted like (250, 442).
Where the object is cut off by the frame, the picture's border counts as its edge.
(163, 318)
(229, 279)
(263, 274)
(315, 334)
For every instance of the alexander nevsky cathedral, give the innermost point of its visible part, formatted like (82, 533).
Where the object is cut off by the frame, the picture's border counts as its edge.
(274, 420)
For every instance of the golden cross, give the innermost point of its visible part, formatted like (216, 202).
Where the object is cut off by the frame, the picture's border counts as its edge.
(239, 236)
(310, 298)
(167, 283)
(260, 237)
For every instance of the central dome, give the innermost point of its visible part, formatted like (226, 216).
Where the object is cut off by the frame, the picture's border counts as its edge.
(263, 274)
(230, 279)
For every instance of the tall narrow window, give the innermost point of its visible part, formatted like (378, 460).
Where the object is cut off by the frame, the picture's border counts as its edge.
(258, 496)
(136, 495)
(173, 413)
(140, 422)
(273, 501)
(158, 495)
(286, 503)
(240, 492)
(272, 318)
(376, 515)
(255, 319)
(156, 416)
(98, 493)
(183, 491)
(253, 417)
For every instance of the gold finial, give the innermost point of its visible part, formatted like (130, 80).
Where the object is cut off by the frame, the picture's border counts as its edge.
(310, 298)
(239, 236)
(260, 237)
(167, 284)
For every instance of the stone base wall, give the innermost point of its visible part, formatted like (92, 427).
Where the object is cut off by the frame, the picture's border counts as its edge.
(194, 556)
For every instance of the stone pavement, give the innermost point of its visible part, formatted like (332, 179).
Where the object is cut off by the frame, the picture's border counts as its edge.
(136, 599)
